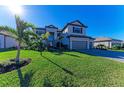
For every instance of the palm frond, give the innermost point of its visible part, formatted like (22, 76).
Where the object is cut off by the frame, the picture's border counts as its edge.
(45, 36)
(30, 33)
(30, 25)
(23, 25)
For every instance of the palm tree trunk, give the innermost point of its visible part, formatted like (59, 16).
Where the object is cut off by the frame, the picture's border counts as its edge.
(18, 53)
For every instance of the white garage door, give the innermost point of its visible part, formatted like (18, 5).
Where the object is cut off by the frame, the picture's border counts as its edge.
(79, 45)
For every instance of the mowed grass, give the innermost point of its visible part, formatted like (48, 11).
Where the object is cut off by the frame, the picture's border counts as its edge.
(121, 50)
(64, 69)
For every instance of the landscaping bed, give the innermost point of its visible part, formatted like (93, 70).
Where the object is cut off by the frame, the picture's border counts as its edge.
(7, 66)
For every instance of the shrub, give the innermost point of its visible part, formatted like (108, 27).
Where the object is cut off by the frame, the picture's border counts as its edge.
(101, 46)
(116, 47)
(122, 45)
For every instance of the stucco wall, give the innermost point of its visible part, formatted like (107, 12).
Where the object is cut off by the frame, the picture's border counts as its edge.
(114, 42)
(78, 39)
(65, 40)
(10, 42)
(109, 44)
(106, 43)
(1, 41)
(65, 30)
(69, 30)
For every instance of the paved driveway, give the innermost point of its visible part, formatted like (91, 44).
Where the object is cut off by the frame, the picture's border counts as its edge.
(118, 56)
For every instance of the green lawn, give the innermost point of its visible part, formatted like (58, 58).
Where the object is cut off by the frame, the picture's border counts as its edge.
(119, 50)
(64, 69)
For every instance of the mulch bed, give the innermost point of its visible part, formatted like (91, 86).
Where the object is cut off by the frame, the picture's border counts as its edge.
(12, 65)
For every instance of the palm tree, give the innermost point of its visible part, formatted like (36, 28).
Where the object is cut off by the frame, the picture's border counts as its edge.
(35, 41)
(45, 38)
(30, 38)
(18, 34)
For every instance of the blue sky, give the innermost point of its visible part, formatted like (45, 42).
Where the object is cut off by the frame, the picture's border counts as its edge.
(107, 21)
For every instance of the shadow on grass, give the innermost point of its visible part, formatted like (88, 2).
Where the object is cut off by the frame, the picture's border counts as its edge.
(24, 80)
(20, 76)
(72, 55)
(63, 52)
(27, 78)
(64, 69)
(66, 81)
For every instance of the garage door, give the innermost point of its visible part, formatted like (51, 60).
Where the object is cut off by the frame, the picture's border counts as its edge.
(79, 45)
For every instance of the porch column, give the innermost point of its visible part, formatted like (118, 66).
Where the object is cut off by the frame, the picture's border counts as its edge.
(70, 45)
(88, 42)
(110, 44)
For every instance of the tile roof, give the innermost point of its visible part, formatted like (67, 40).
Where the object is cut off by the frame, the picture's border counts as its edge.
(105, 39)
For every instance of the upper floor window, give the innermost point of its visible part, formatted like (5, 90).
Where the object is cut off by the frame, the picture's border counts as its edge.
(77, 30)
(38, 32)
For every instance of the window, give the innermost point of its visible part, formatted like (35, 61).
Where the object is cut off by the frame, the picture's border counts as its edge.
(51, 37)
(77, 30)
(39, 32)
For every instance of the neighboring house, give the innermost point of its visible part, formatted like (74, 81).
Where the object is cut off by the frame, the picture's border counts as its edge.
(108, 42)
(6, 41)
(53, 33)
(74, 35)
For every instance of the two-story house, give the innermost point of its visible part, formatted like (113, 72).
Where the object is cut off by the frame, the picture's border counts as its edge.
(74, 35)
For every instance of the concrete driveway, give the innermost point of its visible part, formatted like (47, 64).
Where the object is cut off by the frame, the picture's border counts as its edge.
(114, 55)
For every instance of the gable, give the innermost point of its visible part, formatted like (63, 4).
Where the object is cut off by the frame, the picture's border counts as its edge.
(51, 26)
(76, 23)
